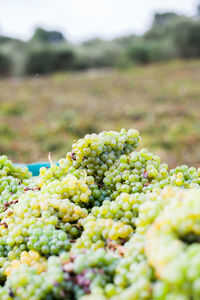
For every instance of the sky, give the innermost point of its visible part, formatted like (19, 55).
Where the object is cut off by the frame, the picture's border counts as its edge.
(84, 19)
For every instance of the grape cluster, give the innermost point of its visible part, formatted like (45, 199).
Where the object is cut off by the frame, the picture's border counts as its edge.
(69, 187)
(124, 208)
(30, 258)
(13, 181)
(100, 232)
(177, 232)
(39, 222)
(7, 168)
(89, 271)
(139, 172)
(25, 282)
(92, 156)
(185, 177)
(108, 222)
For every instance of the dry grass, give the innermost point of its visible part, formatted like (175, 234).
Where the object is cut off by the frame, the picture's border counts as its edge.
(43, 114)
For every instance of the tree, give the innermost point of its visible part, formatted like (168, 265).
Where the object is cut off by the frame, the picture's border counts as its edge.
(45, 36)
(198, 10)
(47, 59)
(5, 65)
(164, 18)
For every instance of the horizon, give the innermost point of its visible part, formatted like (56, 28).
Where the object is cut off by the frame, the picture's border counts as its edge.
(127, 17)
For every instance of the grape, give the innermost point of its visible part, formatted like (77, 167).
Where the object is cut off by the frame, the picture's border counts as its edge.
(91, 157)
(100, 232)
(13, 181)
(186, 177)
(175, 236)
(70, 188)
(124, 208)
(90, 270)
(140, 172)
(7, 168)
(107, 223)
(25, 282)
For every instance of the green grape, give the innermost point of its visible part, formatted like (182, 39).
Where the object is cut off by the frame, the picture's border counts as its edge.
(98, 233)
(7, 168)
(94, 153)
(124, 208)
(185, 177)
(69, 187)
(106, 223)
(140, 172)
(175, 235)
(91, 270)
(14, 181)
(26, 283)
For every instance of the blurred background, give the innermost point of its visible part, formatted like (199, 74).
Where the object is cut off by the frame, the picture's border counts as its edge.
(71, 67)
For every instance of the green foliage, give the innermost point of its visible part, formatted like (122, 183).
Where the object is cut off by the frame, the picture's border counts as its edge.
(170, 36)
(146, 51)
(164, 18)
(98, 54)
(17, 108)
(163, 26)
(186, 36)
(198, 10)
(183, 34)
(44, 60)
(6, 39)
(5, 65)
(45, 36)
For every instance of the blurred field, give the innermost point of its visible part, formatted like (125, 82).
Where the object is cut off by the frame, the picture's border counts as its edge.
(42, 114)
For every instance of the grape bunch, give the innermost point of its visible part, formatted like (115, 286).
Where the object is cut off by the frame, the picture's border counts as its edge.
(124, 208)
(108, 222)
(99, 233)
(186, 177)
(13, 180)
(7, 168)
(91, 157)
(139, 172)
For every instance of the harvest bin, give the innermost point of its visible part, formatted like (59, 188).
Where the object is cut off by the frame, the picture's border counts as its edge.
(34, 168)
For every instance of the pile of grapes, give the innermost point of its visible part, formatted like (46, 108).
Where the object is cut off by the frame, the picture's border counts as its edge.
(108, 222)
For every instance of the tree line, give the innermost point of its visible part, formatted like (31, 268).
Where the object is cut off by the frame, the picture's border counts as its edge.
(170, 36)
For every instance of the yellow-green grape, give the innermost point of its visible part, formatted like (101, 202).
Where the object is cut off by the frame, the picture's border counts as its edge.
(140, 172)
(100, 225)
(94, 145)
(89, 271)
(7, 168)
(12, 188)
(185, 177)
(124, 208)
(38, 223)
(97, 294)
(13, 180)
(94, 153)
(98, 232)
(69, 187)
(133, 275)
(150, 208)
(52, 173)
(172, 243)
(25, 282)
(31, 258)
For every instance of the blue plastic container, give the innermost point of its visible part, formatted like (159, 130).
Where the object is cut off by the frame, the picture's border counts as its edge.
(35, 167)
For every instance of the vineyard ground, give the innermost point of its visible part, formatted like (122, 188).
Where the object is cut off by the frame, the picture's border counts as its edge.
(42, 114)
